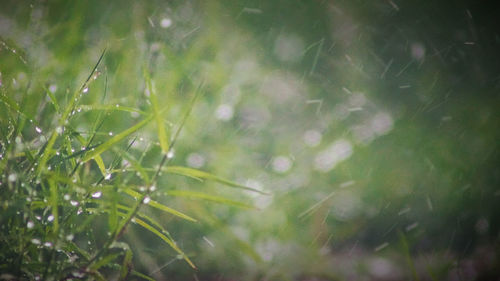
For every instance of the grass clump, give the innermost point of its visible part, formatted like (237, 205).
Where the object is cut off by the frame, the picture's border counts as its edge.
(68, 196)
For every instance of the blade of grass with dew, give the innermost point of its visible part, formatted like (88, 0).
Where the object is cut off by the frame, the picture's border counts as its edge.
(198, 174)
(141, 275)
(47, 150)
(162, 134)
(113, 211)
(53, 201)
(100, 163)
(108, 107)
(136, 165)
(53, 99)
(119, 137)
(209, 197)
(104, 261)
(159, 206)
(165, 239)
(148, 219)
(126, 265)
(155, 231)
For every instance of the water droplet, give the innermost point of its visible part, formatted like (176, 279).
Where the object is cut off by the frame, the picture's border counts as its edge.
(146, 200)
(110, 133)
(53, 88)
(96, 194)
(30, 224)
(108, 176)
(66, 197)
(224, 112)
(165, 22)
(74, 203)
(85, 90)
(48, 244)
(50, 218)
(281, 164)
(12, 177)
(35, 241)
(152, 188)
(170, 154)
(59, 130)
(70, 237)
(38, 130)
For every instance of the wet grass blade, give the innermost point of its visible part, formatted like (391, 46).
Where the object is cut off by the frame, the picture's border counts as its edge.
(165, 239)
(198, 174)
(209, 197)
(159, 206)
(141, 275)
(162, 134)
(126, 265)
(119, 137)
(104, 261)
(104, 107)
(53, 201)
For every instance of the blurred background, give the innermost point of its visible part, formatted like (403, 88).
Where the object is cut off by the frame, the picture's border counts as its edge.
(374, 126)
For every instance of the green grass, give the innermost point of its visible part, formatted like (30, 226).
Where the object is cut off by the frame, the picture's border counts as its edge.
(62, 193)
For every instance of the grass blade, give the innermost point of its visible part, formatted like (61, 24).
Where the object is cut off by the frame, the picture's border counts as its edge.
(209, 197)
(165, 239)
(198, 174)
(159, 206)
(119, 137)
(162, 134)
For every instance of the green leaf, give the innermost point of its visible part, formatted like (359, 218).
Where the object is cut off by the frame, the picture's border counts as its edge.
(119, 137)
(143, 276)
(100, 163)
(165, 239)
(162, 134)
(105, 260)
(110, 107)
(126, 266)
(159, 206)
(198, 174)
(53, 201)
(209, 197)
(52, 99)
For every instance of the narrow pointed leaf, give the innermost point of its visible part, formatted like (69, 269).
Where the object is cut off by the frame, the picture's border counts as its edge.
(198, 174)
(162, 134)
(165, 239)
(209, 197)
(159, 206)
(119, 137)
